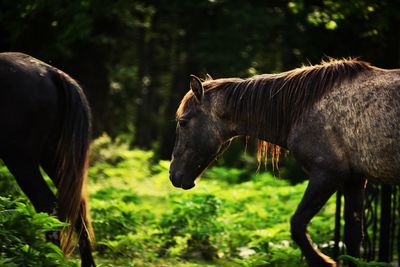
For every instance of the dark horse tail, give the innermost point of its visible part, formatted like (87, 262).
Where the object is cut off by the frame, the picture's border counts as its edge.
(72, 160)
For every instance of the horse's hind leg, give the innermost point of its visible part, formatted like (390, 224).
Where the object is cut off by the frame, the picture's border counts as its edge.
(320, 187)
(353, 191)
(31, 181)
(85, 249)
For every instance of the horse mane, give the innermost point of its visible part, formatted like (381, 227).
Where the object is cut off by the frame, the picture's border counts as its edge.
(275, 102)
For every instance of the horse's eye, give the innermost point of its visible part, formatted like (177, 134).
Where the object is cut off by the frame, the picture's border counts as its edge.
(182, 122)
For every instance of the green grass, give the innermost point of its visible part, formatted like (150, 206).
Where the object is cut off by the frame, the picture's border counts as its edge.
(243, 224)
(140, 219)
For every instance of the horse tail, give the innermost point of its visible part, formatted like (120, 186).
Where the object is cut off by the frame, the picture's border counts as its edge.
(72, 161)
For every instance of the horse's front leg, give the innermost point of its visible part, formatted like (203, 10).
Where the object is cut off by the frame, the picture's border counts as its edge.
(320, 187)
(353, 191)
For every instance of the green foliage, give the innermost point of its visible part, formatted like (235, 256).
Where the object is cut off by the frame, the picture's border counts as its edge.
(131, 246)
(22, 236)
(331, 13)
(105, 150)
(141, 220)
(113, 217)
(111, 158)
(8, 185)
(232, 175)
(192, 226)
(362, 263)
(223, 220)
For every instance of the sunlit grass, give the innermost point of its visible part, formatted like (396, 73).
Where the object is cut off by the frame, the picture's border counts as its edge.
(140, 219)
(253, 216)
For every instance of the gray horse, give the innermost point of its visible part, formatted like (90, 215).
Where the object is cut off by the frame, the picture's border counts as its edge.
(339, 119)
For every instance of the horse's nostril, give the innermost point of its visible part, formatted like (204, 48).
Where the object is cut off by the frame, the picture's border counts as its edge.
(176, 178)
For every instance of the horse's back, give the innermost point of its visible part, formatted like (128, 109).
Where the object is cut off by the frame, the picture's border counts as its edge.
(28, 102)
(360, 123)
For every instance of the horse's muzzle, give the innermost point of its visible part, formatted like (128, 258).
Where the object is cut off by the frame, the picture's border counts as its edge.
(177, 179)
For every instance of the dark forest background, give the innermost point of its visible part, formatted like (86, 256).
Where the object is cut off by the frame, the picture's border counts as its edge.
(134, 58)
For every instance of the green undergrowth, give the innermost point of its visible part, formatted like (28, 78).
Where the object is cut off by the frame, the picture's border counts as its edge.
(140, 219)
(22, 236)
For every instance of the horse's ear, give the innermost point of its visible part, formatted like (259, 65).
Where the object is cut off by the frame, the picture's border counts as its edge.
(196, 87)
(208, 77)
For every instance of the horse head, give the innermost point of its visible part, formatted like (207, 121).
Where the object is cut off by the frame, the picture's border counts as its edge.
(202, 133)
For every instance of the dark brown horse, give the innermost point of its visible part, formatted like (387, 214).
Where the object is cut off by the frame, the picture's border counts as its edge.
(45, 122)
(339, 119)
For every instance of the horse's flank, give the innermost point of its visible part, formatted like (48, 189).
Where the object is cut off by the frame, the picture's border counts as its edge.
(365, 115)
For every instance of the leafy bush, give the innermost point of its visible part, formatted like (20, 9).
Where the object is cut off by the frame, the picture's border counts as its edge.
(114, 213)
(231, 175)
(113, 159)
(362, 263)
(8, 185)
(22, 232)
(140, 244)
(141, 220)
(105, 150)
(192, 226)
(113, 193)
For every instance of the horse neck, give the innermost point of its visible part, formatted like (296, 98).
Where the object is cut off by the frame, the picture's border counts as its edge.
(256, 114)
(243, 127)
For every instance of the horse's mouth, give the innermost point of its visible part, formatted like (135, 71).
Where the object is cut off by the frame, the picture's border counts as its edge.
(178, 181)
(187, 186)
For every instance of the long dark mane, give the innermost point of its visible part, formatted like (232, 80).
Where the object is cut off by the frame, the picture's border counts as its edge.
(275, 102)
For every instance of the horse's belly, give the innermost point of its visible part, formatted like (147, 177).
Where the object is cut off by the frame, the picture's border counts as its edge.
(374, 151)
(383, 172)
